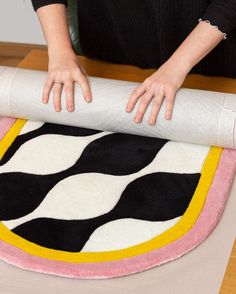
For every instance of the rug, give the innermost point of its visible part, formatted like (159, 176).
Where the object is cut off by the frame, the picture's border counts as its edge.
(89, 204)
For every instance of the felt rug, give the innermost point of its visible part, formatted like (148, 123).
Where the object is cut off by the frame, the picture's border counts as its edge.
(91, 204)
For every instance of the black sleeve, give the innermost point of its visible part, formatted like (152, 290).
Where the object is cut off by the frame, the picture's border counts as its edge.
(222, 13)
(39, 3)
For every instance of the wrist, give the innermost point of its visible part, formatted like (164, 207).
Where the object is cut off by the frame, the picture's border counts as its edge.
(63, 51)
(180, 62)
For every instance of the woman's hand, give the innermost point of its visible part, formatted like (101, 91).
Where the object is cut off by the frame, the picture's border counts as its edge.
(65, 67)
(168, 78)
(164, 83)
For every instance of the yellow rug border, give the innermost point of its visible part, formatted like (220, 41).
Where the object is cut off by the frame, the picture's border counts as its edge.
(179, 229)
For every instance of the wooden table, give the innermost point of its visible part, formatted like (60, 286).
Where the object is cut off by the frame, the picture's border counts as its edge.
(38, 59)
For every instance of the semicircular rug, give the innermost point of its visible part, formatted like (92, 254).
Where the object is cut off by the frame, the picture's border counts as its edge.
(91, 204)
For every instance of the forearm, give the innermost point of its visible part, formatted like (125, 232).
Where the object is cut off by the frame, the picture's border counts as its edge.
(196, 46)
(54, 24)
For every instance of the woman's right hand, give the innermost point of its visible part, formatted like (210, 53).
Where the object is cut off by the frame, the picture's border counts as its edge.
(64, 66)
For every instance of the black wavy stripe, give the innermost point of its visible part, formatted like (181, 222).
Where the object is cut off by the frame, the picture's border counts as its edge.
(153, 197)
(113, 154)
(46, 128)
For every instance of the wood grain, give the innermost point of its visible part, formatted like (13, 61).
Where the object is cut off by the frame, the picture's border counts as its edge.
(9, 60)
(17, 50)
(38, 59)
(229, 282)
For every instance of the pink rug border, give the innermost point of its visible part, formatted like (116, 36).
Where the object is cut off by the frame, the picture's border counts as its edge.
(5, 125)
(207, 221)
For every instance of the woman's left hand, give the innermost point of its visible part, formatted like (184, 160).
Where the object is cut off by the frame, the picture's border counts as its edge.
(164, 83)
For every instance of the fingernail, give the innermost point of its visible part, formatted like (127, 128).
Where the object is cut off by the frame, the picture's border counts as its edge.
(70, 108)
(128, 108)
(151, 122)
(88, 100)
(137, 120)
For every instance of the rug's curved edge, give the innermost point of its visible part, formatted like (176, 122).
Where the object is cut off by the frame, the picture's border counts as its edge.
(205, 224)
(181, 228)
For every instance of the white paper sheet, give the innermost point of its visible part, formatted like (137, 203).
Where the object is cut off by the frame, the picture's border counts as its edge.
(200, 117)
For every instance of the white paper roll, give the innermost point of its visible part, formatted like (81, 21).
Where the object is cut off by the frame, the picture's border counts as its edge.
(200, 117)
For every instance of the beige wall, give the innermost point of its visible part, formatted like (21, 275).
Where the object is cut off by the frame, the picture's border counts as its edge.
(19, 23)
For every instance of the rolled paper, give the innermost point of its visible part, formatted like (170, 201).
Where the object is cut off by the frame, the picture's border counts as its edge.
(199, 116)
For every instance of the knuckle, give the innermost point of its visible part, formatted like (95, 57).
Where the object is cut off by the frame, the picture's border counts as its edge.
(80, 82)
(67, 75)
(68, 87)
(170, 101)
(55, 76)
(55, 92)
(160, 87)
(171, 87)
(157, 102)
(51, 75)
(154, 85)
(170, 97)
(80, 71)
(84, 87)
(145, 99)
(136, 91)
(147, 81)
(48, 84)
(75, 74)
(134, 95)
(83, 81)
